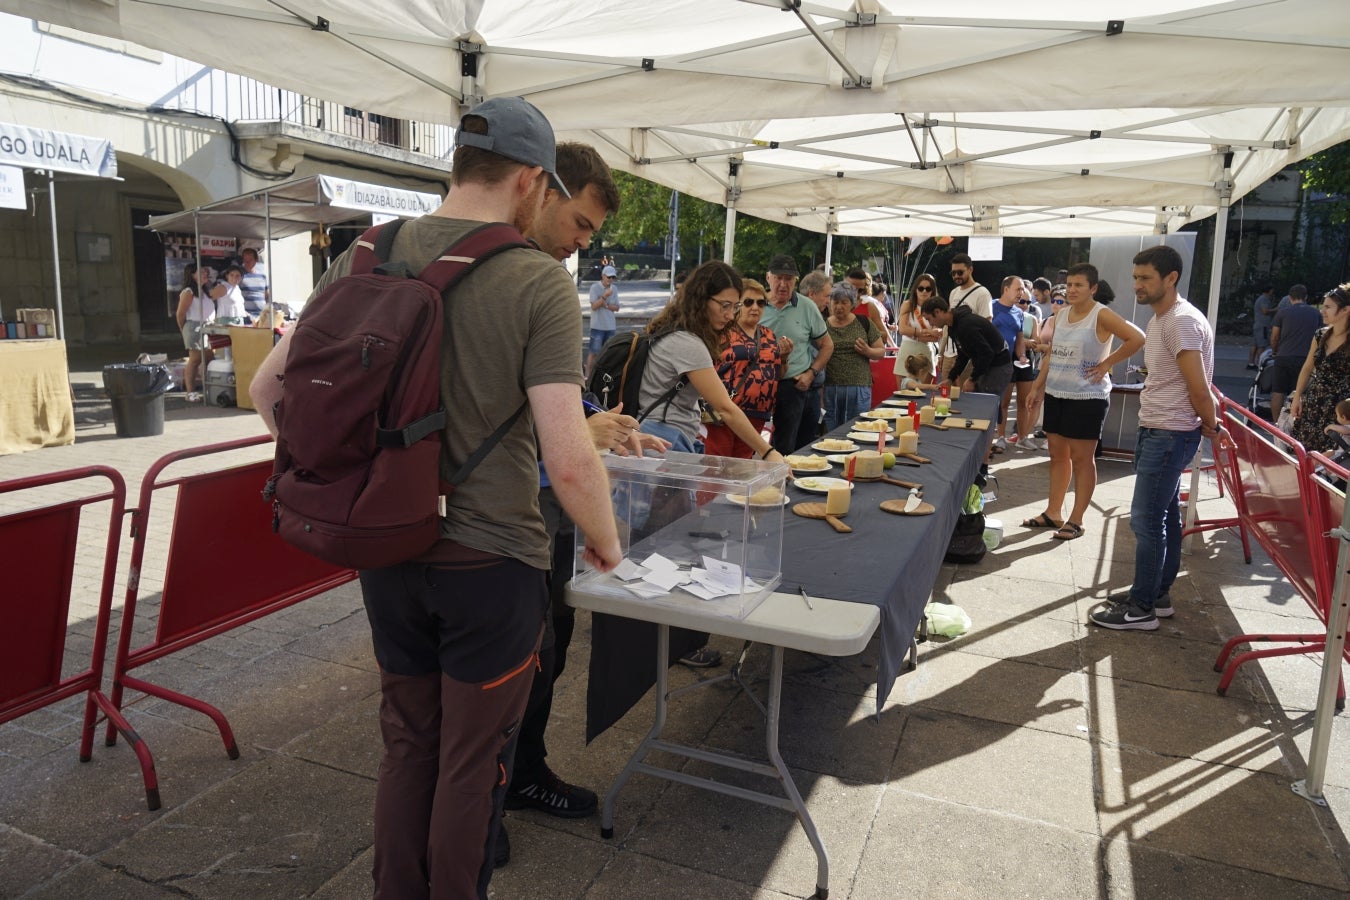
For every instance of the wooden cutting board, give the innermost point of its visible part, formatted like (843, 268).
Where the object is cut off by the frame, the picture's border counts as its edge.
(889, 480)
(898, 507)
(962, 423)
(817, 511)
(914, 456)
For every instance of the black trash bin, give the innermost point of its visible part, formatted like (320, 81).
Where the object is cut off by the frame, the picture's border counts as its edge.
(137, 394)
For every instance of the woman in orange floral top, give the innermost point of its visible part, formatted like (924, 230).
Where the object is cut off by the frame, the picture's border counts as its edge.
(749, 369)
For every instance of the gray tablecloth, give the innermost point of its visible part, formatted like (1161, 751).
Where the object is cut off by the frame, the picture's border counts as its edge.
(889, 561)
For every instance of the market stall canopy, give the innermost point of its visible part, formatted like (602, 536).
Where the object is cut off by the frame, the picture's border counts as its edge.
(838, 115)
(295, 207)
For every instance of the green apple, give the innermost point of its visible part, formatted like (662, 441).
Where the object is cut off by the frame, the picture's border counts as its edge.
(888, 460)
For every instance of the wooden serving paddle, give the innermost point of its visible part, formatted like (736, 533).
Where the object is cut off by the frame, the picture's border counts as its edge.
(898, 507)
(889, 480)
(817, 511)
(914, 456)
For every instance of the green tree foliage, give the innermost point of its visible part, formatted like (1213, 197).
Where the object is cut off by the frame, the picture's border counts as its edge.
(644, 214)
(1329, 172)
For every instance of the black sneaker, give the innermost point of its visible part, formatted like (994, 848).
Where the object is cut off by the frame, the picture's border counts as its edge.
(549, 793)
(1162, 607)
(501, 851)
(702, 658)
(1124, 617)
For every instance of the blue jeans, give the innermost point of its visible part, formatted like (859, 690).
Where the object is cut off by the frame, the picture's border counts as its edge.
(1155, 513)
(845, 402)
(598, 339)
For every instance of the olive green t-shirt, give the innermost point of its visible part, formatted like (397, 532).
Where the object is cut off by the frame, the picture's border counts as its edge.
(513, 323)
(846, 365)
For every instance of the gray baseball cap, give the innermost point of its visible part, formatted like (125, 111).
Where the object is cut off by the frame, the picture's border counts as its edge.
(516, 130)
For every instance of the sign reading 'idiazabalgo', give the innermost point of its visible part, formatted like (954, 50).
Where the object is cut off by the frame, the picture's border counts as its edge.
(37, 148)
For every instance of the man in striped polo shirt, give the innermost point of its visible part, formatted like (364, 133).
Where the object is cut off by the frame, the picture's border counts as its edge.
(1176, 409)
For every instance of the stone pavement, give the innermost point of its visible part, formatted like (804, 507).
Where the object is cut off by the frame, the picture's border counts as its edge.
(1031, 757)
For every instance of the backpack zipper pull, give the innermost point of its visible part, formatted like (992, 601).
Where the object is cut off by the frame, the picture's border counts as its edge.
(366, 343)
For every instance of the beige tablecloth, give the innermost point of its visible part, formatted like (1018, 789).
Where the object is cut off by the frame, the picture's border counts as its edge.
(35, 403)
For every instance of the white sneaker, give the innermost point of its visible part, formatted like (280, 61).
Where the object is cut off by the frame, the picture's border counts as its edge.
(194, 397)
(1031, 443)
(1000, 444)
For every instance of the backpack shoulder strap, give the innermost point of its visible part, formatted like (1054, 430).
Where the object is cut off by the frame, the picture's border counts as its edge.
(374, 247)
(470, 251)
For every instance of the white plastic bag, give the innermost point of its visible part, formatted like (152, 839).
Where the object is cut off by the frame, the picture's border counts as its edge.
(947, 619)
(1285, 422)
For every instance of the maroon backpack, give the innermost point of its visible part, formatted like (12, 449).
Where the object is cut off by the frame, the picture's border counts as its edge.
(356, 480)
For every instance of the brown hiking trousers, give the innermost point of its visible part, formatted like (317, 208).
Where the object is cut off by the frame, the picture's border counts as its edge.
(457, 642)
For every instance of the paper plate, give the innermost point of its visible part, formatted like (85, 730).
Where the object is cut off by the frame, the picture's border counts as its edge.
(794, 460)
(849, 449)
(870, 437)
(889, 413)
(822, 485)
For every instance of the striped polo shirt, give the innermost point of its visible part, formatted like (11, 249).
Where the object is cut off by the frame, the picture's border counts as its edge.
(1165, 402)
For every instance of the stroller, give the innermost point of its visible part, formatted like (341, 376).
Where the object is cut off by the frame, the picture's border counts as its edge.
(1258, 395)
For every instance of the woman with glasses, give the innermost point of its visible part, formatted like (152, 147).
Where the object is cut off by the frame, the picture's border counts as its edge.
(690, 330)
(848, 374)
(916, 334)
(1324, 379)
(749, 367)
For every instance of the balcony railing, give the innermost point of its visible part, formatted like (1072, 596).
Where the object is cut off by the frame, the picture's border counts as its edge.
(236, 98)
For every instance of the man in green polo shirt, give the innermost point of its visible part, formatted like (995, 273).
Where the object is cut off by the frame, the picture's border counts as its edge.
(798, 324)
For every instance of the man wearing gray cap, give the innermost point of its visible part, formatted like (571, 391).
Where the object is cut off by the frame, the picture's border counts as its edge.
(604, 304)
(799, 325)
(456, 631)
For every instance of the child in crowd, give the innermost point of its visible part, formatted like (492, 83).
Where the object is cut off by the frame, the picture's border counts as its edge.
(1341, 430)
(917, 366)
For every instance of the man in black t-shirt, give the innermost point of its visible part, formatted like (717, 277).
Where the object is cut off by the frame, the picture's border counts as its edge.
(1291, 334)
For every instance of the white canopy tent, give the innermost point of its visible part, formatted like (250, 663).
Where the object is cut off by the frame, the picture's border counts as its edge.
(943, 116)
(845, 116)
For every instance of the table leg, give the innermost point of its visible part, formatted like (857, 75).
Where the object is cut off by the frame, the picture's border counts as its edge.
(785, 777)
(658, 723)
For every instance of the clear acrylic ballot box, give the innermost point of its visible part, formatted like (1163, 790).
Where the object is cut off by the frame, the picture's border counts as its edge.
(696, 531)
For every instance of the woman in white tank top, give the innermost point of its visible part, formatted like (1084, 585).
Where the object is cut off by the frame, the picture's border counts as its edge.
(1075, 386)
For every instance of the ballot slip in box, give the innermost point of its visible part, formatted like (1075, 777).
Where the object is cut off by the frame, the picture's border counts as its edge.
(696, 531)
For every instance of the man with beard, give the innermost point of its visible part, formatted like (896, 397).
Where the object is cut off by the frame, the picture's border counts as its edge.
(967, 292)
(456, 631)
(1176, 409)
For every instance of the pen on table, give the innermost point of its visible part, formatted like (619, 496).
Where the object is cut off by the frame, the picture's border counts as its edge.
(805, 599)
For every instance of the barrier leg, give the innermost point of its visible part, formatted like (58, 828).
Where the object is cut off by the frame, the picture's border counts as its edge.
(1304, 644)
(201, 706)
(142, 751)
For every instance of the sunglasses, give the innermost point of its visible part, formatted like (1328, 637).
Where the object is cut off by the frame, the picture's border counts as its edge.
(923, 289)
(752, 302)
(1058, 301)
(1023, 302)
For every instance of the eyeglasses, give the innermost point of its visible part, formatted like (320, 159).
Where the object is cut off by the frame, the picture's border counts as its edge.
(753, 302)
(728, 306)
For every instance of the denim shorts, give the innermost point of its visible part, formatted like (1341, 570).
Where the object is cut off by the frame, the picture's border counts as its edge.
(598, 339)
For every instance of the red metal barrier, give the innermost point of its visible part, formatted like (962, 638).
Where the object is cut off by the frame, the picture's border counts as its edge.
(216, 514)
(37, 554)
(1269, 476)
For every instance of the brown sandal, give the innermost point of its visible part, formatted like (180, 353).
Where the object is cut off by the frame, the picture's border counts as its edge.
(1041, 521)
(1068, 531)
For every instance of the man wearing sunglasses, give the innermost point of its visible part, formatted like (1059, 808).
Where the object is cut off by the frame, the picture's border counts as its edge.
(966, 292)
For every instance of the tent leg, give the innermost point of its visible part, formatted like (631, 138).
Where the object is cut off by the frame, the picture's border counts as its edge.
(56, 258)
(1215, 277)
(729, 239)
(829, 251)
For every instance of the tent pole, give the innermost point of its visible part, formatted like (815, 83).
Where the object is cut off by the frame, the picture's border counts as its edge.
(56, 258)
(1215, 276)
(733, 194)
(829, 251)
